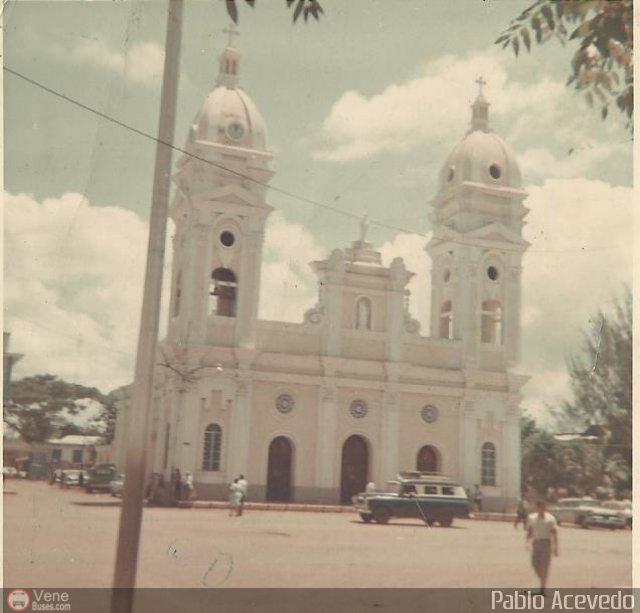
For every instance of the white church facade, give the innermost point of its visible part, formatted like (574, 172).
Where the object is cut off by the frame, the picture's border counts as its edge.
(312, 411)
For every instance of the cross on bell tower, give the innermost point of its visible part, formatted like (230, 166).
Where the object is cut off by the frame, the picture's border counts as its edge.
(229, 61)
(232, 31)
(480, 109)
(481, 83)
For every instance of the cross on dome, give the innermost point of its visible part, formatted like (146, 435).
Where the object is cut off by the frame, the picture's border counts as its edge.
(229, 61)
(481, 83)
(232, 31)
(480, 109)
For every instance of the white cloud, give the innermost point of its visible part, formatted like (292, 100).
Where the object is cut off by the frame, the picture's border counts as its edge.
(141, 63)
(429, 107)
(288, 286)
(410, 247)
(541, 162)
(73, 287)
(582, 240)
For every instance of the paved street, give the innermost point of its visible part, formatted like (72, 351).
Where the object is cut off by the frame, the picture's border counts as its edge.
(66, 538)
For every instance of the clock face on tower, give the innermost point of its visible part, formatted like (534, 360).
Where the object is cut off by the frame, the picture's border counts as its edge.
(235, 130)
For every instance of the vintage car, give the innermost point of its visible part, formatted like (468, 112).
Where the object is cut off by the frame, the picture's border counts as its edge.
(116, 485)
(624, 507)
(431, 498)
(72, 478)
(99, 478)
(586, 512)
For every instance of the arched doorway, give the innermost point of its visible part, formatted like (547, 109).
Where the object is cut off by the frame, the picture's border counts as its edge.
(428, 460)
(355, 467)
(279, 470)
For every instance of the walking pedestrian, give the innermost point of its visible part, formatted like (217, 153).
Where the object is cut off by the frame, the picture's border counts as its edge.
(235, 499)
(477, 498)
(521, 513)
(244, 488)
(542, 530)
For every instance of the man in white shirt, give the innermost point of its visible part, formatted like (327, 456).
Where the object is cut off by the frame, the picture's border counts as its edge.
(542, 529)
(243, 486)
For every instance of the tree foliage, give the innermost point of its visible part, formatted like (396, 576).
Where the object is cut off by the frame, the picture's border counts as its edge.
(302, 8)
(602, 66)
(601, 381)
(39, 404)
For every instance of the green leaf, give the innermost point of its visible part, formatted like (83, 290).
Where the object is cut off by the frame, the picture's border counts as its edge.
(604, 112)
(526, 38)
(232, 10)
(548, 15)
(298, 10)
(582, 30)
(516, 45)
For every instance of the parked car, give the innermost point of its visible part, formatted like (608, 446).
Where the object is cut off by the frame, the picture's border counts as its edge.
(9, 472)
(72, 478)
(624, 507)
(99, 478)
(586, 512)
(431, 498)
(116, 485)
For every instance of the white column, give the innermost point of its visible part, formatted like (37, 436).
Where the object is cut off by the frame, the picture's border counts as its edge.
(469, 459)
(188, 441)
(511, 452)
(326, 437)
(240, 430)
(512, 314)
(198, 273)
(249, 289)
(389, 436)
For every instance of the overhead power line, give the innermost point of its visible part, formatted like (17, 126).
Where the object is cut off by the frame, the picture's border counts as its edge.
(273, 188)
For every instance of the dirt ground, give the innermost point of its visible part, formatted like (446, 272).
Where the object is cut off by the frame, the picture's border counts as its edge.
(66, 538)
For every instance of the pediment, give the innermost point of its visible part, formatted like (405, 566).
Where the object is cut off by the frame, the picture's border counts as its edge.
(232, 194)
(497, 232)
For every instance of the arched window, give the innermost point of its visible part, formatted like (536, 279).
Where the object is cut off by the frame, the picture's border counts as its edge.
(212, 447)
(446, 320)
(491, 323)
(488, 464)
(223, 288)
(177, 295)
(363, 314)
(427, 460)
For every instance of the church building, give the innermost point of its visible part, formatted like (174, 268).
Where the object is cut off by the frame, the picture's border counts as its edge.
(355, 392)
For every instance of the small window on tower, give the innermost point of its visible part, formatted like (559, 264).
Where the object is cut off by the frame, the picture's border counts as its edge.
(495, 171)
(223, 289)
(227, 238)
(493, 273)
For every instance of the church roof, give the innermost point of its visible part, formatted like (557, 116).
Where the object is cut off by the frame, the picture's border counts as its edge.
(228, 115)
(482, 156)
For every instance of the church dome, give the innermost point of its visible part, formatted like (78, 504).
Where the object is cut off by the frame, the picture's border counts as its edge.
(481, 157)
(228, 115)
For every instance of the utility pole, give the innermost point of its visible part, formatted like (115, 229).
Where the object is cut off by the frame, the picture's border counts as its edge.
(139, 415)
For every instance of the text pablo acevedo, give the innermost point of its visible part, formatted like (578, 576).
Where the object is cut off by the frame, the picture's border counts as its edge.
(560, 600)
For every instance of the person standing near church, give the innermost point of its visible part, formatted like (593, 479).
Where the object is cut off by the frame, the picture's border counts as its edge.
(542, 531)
(243, 485)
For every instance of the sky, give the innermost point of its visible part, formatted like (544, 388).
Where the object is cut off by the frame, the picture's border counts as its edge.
(362, 109)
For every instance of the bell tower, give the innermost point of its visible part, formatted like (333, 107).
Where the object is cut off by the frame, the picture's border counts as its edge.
(219, 212)
(477, 246)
